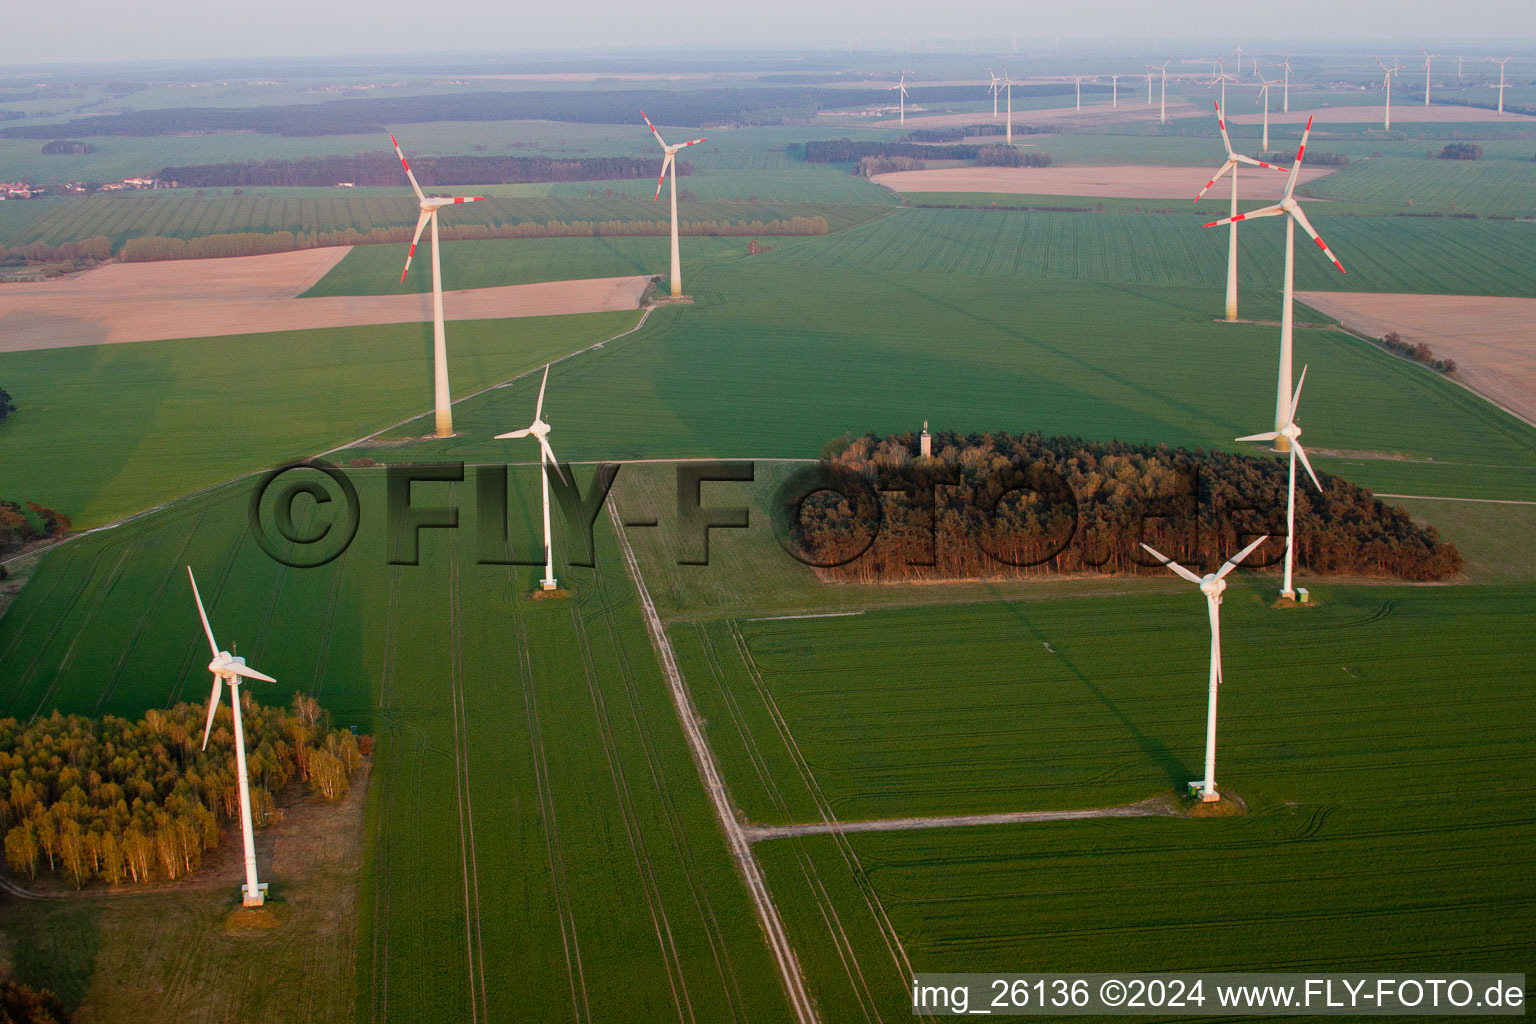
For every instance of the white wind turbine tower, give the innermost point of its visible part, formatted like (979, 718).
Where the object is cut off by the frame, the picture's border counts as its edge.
(1500, 61)
(441, 398)
(1387, 82)
(1233, 159)
(227, 668)
(669, 162)
(1286, 108)
(1293, 434)
(1149, 86)
(1114, 91)
(1427, 58)
(1007, 84)
(540, 430)
(1264, 86)
(1291, 210)
(1162, 113)
(1211, 585)
(901, 88)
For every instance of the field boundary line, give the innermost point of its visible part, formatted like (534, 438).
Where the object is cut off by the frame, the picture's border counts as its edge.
(1153, 807)
(741, 850)
(1436, 497)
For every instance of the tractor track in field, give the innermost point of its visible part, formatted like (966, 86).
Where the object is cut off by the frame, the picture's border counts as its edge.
(852, 969)
(872, 900)
(571, 946)
(751, 872)
(671, 959)
(149, 606)
(58, 624)
(469, 861)
(379, 990)
(730, 984)
(327, 625)
(92, 608)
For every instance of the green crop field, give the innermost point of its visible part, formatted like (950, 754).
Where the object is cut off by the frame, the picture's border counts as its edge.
(181, 215)
(104, 431)
(1474, 257)
(537, 833)
(1478, 186)
(1367, 825)
(977, 354)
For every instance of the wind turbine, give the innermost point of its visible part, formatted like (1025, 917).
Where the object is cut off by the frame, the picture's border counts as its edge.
(1387, 81)
(1007, 84)
(228, 668)
(1427, 58)
(669, 162)
(441, 399)
(540, 430)
(1149, 87)
(1211, 585)
(1114, 91)
(1162, 113)
(1264, 87)
(1233, 159)
(1079, 81)
(900, 87)
(1223, 78)
(1292, 433)
(1292, 211)
(1500, 61)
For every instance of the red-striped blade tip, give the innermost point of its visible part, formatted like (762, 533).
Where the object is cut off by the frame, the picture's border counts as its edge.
(1214, 223)
(647, 121)
(1309, 122)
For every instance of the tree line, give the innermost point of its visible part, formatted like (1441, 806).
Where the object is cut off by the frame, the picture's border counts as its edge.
(383, 168)
(138, 802)
(149, 248)
(846, 151)
(746, 106)
(20, 525)
(1005, 505)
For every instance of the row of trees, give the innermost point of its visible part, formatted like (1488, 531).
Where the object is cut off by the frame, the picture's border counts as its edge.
(20, 524)
(759, 105)
(97, 247)
(150, 248)
(1007, 156)
(846, 151)
(136, 802)
(1017, 505)
(383, 168)
(1417, 351)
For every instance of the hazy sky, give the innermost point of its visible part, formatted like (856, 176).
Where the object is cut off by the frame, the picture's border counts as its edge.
(97, 30)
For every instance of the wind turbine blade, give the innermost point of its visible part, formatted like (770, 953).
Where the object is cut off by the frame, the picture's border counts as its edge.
(549, 453)
(1296, 398)
(1258, 163)
(1301, 150)
(654, 131)
(1268, 436)
(693, 142)
(1222, 121)
(1215, 611)
(213, 644)
(1306, 225)
(467, 199)
(1268, 211)
(421, 224)
(213, 705)
(250, 673)
(1232, 562)
(1170, 563)
(538, 409)
(515, 434)
(1224, 169)
(406, 164)
(1302, 454)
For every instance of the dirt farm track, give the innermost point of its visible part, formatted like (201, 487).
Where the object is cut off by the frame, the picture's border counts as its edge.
(1493, 340)
(125, 302)
(1126, 182)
